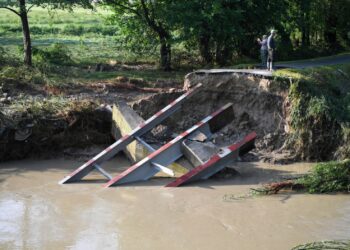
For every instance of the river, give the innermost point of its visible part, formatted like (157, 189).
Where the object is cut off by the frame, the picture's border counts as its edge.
(38, 213)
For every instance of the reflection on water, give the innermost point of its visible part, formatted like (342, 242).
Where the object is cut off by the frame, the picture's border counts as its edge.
(11, 214)
(37, 213)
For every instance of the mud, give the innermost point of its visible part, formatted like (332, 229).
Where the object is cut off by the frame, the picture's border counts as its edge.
(47, 134)
(260, 105)
(38, 213)
(77, 119)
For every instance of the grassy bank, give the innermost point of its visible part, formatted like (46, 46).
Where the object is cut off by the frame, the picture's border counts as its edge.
(325, 245)
(319, 110)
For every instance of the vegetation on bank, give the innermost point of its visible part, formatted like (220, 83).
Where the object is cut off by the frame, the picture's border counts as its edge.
(325, 245)
(319, 107)
(327, 177)
(74, 48)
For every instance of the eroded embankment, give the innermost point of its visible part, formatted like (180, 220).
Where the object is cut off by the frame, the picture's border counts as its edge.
(30, 132)
(296, 118)
(298, 115)
(259, 105)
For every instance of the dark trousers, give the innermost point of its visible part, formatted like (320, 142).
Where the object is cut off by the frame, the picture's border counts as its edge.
(263, 56)
(270, 59)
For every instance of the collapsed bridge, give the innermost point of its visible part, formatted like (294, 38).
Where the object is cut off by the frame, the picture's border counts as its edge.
(194, 144)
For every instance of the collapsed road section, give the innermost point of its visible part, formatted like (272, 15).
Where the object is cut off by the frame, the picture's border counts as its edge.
(160, 159)
(111, 151)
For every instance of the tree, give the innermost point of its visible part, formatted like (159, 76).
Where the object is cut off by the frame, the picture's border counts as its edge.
(210, 26)
(150, 15)
(337, 22)
(22, 7)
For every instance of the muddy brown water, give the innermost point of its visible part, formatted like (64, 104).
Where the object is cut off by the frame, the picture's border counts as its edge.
(38, 213)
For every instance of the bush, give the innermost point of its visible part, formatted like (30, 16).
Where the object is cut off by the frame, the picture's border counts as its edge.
(43, 30)
(10, 28)
(57, 54)
(3, 56)
(74, 30)
(23, 74)
(328, 177)
(102, 30)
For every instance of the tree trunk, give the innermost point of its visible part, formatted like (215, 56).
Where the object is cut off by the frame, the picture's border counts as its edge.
(305, 23)
(26, 33)
(204, 49)
(164, 37)
(305, 40)
(330, 33)
(219, 55)
(204, 44)
(165, 54)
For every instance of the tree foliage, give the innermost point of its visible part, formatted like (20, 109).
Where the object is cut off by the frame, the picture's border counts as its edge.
(220, 29)
(145, 16)
(217, 30)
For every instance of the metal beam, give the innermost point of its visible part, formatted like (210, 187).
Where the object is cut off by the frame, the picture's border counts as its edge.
(119, 145)
(172, 151)
(217, 162)
(165, 170)
(103, 172)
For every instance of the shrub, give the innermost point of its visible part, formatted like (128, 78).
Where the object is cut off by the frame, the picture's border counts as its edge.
(75, 30)
(43, 30)
(328, 177)
(57, 54)
(3, 56)
(23, 74)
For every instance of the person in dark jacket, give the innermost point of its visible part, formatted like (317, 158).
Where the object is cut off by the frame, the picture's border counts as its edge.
(271, 47)
(263, 51)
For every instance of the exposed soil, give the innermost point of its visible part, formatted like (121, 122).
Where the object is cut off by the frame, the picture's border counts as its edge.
(30, 135)
(259, 105)
(79, 118)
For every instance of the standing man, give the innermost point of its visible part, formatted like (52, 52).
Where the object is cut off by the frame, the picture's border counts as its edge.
(271, 46)
(263, 51)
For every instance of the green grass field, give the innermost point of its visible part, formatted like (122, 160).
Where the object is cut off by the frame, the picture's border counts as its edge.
(86, 33)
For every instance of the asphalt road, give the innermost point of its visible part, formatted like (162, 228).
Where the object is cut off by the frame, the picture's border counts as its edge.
(332, 60)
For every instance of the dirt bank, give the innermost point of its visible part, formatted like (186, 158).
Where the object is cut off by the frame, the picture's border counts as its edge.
(26, 134)
(294, 119)
(259, 105)
(37, 213)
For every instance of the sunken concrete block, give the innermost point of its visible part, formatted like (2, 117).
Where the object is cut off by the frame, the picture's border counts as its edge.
(199, 152)
(124, 120)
